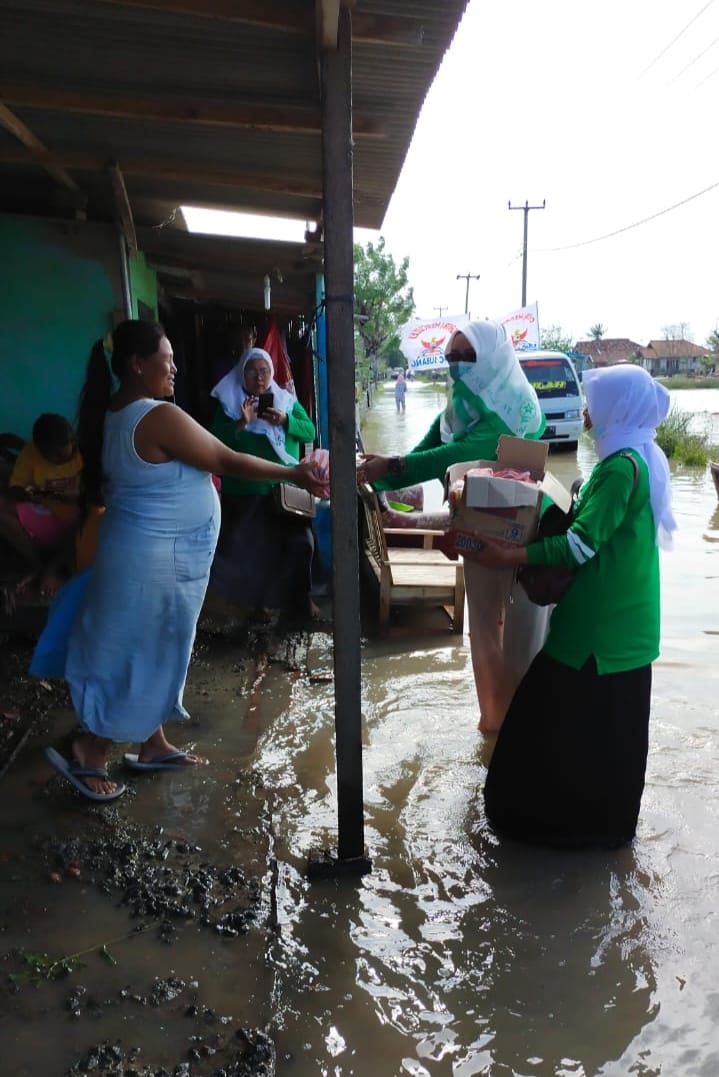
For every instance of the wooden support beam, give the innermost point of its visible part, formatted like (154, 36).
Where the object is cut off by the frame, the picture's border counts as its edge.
(177, 171)
(384, 30)
(291, 18)
(123, 207)
(336, 74)
(38, 151)
(288, 118)
(233, 291)
(185, 260)
(327, 16)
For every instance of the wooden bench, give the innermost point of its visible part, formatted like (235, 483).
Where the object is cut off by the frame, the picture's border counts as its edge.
(409, 576)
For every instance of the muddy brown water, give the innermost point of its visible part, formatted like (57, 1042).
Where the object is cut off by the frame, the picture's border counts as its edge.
(458, 955)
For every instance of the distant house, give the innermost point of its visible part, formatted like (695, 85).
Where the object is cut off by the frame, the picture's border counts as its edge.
(606, 352)
(663, 358)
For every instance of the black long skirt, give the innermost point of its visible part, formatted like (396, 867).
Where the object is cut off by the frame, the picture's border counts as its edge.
(263, 559)
(569, 763)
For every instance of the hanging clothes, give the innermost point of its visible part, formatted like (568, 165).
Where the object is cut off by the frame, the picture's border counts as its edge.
(274, 344)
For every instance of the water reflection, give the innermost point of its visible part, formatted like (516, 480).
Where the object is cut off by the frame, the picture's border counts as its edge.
(563, 979)
(711, 533)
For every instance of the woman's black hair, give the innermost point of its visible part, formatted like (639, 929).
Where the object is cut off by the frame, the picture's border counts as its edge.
(133, 337)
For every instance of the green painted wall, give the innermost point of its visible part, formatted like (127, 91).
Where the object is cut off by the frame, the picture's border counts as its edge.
(60, 289)
(143, 285)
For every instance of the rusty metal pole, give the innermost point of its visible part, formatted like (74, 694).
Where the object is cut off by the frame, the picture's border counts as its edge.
(336, 78)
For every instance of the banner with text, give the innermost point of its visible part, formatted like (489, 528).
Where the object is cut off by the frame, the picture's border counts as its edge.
(523, 328)
(423, 342)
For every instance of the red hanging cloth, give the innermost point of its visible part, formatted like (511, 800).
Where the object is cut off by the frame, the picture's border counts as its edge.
(274, 344)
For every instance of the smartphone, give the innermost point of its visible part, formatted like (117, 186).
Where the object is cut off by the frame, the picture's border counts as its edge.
(264, 401)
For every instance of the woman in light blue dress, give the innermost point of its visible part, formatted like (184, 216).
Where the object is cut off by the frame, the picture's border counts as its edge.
(130, 642)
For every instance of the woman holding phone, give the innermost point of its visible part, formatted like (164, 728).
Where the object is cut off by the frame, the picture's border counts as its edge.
(264, 560)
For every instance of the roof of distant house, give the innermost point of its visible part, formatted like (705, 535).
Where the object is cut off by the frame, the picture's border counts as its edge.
(673, 349)
(622, 350)
(609, 350)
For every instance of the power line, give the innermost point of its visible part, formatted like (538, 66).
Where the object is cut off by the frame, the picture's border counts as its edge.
(709, 76)
(628, 227)
(675, 39)
(692, 62)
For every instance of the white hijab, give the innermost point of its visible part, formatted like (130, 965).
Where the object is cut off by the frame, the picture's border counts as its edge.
(232, 393)
(626, 405)
(497, 380)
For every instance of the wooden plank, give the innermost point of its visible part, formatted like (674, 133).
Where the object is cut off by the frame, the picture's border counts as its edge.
(387, 30)
(336, 93)
(291, 18)
(179, 171)
(124, 209)
(424, 577)
(299, 119)
(327, 16)
(38, 151)
(417, 555)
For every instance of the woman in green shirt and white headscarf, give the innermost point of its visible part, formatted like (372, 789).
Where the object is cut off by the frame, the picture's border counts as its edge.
(568, 767)
(489, 396)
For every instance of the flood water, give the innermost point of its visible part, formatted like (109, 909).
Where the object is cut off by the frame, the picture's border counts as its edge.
(459, 955)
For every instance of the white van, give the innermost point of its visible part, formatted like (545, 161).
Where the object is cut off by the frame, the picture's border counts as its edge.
(560, 396)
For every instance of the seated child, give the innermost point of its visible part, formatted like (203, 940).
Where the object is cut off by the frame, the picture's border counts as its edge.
(39, 513)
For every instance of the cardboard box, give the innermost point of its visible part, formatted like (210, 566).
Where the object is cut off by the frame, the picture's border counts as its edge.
(506, 511)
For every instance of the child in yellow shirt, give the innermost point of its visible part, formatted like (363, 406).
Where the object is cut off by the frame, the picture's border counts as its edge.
(40, 510)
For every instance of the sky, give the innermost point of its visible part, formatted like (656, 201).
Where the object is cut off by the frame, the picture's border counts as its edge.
(607, 112)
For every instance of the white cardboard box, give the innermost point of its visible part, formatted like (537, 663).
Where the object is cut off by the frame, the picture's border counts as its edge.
(505, 511)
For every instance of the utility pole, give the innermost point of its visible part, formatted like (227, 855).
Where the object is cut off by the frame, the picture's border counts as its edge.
(525, 210)
(440, 309)
(468, 277)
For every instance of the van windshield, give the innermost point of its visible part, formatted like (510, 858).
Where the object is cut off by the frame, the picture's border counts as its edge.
(551, 377)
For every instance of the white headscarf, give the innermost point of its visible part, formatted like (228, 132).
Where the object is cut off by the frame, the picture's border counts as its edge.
(497, 379)
(231, 393)
(626, 405)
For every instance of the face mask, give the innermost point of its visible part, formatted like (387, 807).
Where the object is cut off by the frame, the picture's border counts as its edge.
(458, 370)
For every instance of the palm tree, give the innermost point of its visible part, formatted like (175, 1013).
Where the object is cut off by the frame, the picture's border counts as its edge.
(597, 331)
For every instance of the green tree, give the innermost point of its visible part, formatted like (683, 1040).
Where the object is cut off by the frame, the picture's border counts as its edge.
(712, 342)
(597, 331)
(554, 339)
(384, 301)
(709, 362)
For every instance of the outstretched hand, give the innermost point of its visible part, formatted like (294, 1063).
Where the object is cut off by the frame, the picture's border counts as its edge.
(305, 475)
(372, 467)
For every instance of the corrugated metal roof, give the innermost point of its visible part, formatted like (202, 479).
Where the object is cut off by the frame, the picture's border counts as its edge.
(218, 109)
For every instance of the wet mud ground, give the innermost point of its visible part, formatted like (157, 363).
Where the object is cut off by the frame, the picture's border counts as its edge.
(126, 928)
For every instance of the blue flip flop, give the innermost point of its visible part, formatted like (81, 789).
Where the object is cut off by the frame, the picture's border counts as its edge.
(72, 772)
(171, 761)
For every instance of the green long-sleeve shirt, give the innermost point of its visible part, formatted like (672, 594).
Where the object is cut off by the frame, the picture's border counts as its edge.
(431, 457)
(299, 430)
(612, 608)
